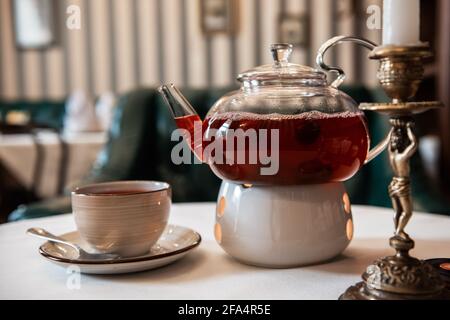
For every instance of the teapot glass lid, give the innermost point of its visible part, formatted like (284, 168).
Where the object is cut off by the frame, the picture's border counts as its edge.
(282, 72)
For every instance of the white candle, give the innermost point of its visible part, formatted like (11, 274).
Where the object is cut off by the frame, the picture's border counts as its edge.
(401, 22)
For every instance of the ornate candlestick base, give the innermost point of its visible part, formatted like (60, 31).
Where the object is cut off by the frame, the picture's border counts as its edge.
(400, 276)
(397, 278)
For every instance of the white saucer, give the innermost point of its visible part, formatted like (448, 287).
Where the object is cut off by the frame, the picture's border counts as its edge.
(174, 244)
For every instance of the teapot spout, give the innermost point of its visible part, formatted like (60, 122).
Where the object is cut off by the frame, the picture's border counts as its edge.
(177, 103)
(185, 117)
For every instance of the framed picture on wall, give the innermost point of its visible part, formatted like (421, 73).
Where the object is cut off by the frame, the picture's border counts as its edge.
(34, 23)
(294, 29)
(219, 16)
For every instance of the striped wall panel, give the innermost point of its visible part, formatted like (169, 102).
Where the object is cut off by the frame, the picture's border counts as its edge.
(127, 43)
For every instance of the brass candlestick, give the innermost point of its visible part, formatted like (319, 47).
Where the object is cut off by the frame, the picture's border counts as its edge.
(400, 276)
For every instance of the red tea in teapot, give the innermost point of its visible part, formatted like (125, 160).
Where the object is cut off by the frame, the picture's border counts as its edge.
(313, 147)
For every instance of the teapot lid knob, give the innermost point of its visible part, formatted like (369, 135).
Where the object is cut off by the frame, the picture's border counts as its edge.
(281, 52)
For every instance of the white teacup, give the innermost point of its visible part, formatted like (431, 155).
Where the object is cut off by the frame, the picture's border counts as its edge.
(123, 217)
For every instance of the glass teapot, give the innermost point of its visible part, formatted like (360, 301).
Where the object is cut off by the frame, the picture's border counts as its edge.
(284, 126)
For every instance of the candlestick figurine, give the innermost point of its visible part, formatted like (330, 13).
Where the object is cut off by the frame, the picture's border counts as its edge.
(400, 151)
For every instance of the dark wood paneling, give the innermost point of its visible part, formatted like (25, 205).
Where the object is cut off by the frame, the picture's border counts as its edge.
(444, 84)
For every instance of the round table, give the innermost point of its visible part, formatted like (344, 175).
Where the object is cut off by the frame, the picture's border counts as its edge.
(208, 272)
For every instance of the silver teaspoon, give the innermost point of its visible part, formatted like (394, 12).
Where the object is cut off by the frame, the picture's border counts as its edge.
(82, 254)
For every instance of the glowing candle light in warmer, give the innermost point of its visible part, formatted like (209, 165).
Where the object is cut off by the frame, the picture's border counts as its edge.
(401, 22)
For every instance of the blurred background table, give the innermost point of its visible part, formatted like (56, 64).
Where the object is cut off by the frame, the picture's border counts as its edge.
(208, 272)
(19, 153)
(45, 162)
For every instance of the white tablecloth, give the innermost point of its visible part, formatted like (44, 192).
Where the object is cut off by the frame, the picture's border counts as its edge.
(208, 272)
(18, 153)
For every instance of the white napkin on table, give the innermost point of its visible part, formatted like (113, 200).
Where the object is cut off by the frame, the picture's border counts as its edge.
(80, 114)
(104, 110)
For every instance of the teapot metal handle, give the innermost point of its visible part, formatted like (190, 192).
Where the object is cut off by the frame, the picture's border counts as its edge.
(380, 147)
(331, 43)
